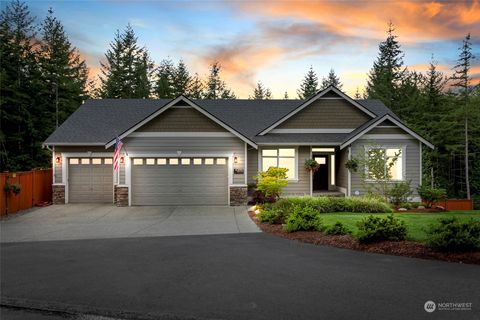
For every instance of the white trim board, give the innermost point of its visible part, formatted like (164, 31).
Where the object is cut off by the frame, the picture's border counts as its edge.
(339, 130)
(380, 120)
(181, 155)
(171, 104)
(181, 134)
(392, 136)
(314, 98)
(299, 144)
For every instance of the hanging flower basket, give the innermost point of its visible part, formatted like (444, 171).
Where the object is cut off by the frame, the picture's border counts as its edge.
(311, 165)
(352, 165)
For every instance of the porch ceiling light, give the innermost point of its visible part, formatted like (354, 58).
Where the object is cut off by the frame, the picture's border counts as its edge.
(58, 160)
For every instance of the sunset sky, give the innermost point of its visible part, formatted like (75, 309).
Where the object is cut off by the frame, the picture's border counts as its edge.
(274, 41)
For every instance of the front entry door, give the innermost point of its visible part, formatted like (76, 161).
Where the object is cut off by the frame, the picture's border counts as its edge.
(320, 177)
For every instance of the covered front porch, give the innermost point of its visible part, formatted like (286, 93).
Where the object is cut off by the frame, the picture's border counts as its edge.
(330, 178)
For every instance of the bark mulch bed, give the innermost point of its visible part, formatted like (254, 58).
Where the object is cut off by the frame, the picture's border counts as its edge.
(410, 249)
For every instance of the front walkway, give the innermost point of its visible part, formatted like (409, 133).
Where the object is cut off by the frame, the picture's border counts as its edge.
(89, 221)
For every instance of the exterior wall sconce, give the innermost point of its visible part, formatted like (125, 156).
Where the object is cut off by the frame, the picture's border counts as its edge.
(235, 159)
(58, 160)
(122, 160)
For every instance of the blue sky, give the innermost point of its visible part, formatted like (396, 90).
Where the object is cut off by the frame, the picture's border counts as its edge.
(273, 41)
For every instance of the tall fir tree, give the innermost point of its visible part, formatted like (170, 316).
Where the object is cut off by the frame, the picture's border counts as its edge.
(309, 85)
(331, 80)
(285, 96)
(357, 94)
(128, 68)
(18, 75)
(216, 88)
(181, 80)
(462, 81)
(260, 92)
(197, 88)
(165, 84)
(387, 73)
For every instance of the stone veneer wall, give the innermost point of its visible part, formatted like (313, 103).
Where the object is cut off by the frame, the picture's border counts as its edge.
(121, 196)
(58, 194)
(238, 196)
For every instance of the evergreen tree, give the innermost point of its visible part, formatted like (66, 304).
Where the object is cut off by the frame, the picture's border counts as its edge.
(331, 80)
(18, 71)
(260, 92)
(387, 73)
(181, 80)
(165, 86)
(462, 81)
(216, 87)
(357, 95)
(309, 86)
(285, 96)
(127, 72)
(197, 88)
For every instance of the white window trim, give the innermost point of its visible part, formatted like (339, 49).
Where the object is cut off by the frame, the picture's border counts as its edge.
(403, 157)
(260, 157)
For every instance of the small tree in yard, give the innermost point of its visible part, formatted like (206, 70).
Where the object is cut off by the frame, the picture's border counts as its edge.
(272, 181)
(375, 170)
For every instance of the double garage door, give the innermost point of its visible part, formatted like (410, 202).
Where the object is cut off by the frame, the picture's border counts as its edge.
(90, 180)
(179, 181)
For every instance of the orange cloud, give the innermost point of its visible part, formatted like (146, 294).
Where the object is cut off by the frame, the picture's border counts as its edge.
(415, 20)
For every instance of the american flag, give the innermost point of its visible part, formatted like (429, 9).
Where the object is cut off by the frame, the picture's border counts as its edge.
(116, 154)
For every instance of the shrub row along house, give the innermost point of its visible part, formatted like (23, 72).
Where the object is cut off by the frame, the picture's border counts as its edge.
(206, 152)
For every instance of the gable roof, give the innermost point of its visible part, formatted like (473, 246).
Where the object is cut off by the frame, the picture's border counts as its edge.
(329, 89)
(192, 104)
(98, 122)
(369, 125)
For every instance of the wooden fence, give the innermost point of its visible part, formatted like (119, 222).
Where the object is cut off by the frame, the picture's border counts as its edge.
(36, 188)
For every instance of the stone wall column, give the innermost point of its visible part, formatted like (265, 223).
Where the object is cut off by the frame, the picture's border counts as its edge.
(238, 195)
(58, 194)
(121, 196)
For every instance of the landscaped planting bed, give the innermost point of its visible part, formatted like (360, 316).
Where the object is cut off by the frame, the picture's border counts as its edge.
(421, 235)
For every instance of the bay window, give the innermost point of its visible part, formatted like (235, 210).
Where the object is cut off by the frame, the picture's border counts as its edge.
(280, 158)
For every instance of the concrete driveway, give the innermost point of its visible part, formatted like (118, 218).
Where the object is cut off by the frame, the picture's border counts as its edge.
(89, 221)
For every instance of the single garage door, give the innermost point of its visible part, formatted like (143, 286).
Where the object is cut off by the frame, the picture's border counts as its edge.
(179, 181)
(90, 180)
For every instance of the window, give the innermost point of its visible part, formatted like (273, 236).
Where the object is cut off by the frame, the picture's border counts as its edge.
(185, 161)
(96, 161)
(332, 169)
(85, 161)
(108, 161)
(209, 161)
(150, 162)
(161, 161)
(173, 161)
(73, 161)
(221, 161)
(280, 158)
(323, 149)
(389, 155)
(137, 162)
(197, 161)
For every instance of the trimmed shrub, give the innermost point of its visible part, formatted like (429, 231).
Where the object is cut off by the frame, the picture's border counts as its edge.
(452, 235)
(303, 218)
(373, 229)
(399, 193)
(337, 229)
(270, 215)
(431, 195)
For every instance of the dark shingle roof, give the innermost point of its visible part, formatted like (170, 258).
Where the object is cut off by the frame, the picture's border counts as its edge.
(99, 121)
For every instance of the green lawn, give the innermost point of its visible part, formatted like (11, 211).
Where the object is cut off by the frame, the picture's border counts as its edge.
(416, 223)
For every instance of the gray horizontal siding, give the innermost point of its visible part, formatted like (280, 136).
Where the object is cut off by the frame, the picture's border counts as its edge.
(181, 120)
(227, 145)
(327, 113)
(252, 165)
(412, 163)
(341, 172)
(387, 131)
